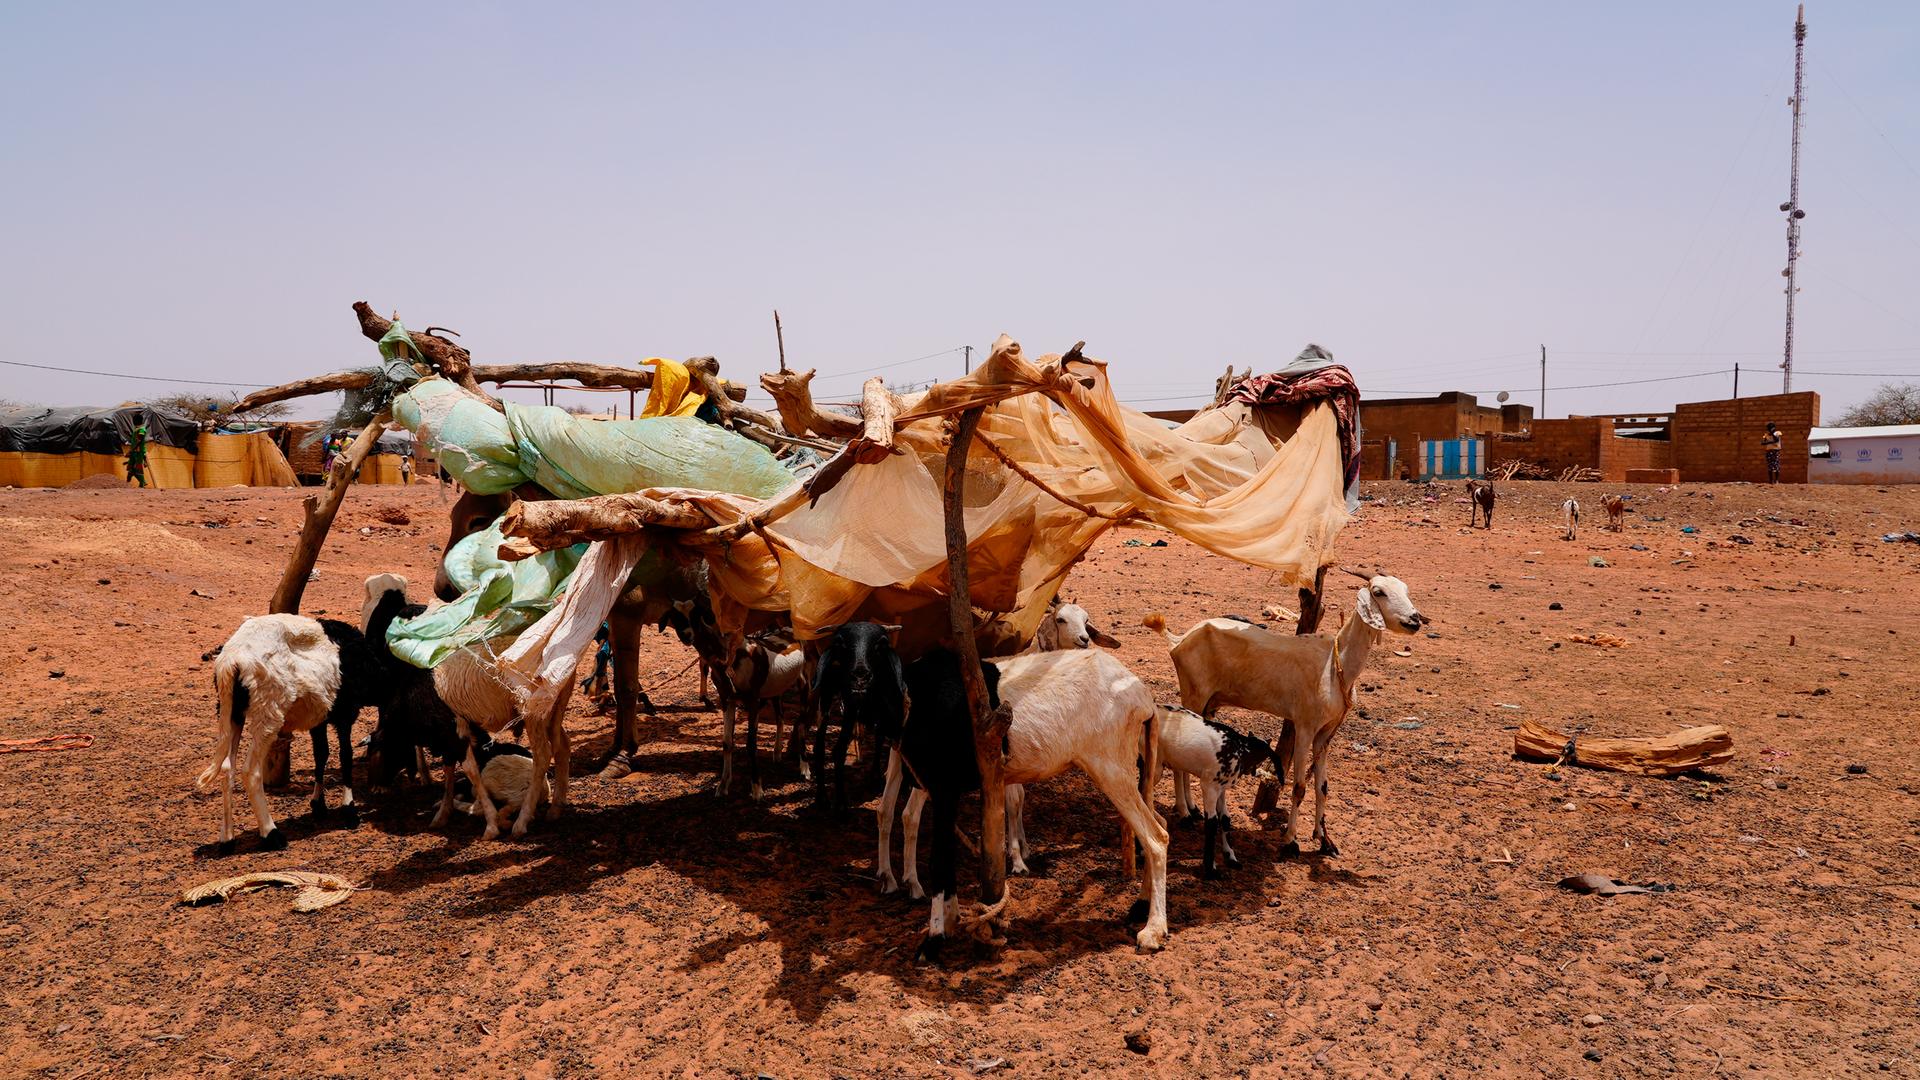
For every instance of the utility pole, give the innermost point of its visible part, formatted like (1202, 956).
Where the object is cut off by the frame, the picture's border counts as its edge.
(1792, 206)
(968, 349)
(1543, 382)
(1736, 379)
(781, 338)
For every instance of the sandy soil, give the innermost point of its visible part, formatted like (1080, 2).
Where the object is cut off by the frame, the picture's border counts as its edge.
(657, 930)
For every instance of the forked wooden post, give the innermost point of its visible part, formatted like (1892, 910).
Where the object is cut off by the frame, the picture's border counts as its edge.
(989, 726)
(313, 535)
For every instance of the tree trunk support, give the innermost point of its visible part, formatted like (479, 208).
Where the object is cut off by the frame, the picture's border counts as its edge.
(989, 726)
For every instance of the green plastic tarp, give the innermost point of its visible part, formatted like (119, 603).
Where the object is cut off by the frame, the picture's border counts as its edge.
(571, 457)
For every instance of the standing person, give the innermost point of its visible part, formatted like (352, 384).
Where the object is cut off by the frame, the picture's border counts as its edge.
(596, 684)
(406, 469)
(1770, 442)
(137, 455)
(328, 447)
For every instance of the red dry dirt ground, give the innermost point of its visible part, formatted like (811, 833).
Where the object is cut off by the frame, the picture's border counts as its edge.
(658, 930)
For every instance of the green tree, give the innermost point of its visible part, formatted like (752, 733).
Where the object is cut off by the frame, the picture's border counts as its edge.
(1893, 403)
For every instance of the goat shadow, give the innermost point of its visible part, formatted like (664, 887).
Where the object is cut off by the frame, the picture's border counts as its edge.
(827, 918)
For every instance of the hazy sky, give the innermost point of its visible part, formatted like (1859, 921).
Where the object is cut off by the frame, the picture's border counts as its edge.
(1431, 191)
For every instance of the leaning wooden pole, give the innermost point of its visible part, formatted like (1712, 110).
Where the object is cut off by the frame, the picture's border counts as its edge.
(320, 514)
(989, 725)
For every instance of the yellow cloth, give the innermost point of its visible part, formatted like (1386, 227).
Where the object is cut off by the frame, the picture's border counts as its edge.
(672, 392)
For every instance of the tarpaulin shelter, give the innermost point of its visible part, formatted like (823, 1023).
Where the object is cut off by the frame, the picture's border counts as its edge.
(52, 447)
(1057, 462)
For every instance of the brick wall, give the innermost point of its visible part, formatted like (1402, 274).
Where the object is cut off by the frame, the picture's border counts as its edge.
(1717, 441)
(1586, 441)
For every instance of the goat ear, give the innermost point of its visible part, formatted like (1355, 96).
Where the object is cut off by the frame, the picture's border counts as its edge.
(893, 632)
(1104, 639)
(1369, 613)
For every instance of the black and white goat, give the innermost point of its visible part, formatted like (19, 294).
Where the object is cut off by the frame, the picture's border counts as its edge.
(860, 680)
(293, 674)
(1070, 709)
(1192, 745)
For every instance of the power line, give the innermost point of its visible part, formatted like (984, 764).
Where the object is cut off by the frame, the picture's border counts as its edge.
(124, 375)
(895, 364)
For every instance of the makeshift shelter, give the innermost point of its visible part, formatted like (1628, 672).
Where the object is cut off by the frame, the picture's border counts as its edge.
(53, 447)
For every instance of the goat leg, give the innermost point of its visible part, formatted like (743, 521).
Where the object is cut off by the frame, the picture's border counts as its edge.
(753, 749)
(319, 801)
(883, 862)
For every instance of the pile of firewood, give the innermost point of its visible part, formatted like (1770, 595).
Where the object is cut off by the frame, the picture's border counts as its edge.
(1579, 474)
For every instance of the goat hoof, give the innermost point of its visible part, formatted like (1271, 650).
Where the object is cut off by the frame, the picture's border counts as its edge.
(319, 808)
(225, 847)
(274, 840)
(1327, 848)
(617, 768)
(553, 811)
(350, 816)
(914, 891)
(519, 829)
(1151, 939)
(930, 949)
(1211, 873)
(1137, 913)
(1232, 863)
(1017, 866)
(1289, 849)
(758, 794)
(888, 886)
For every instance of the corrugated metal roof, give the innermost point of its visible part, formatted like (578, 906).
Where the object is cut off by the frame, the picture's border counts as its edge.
(1897, 430)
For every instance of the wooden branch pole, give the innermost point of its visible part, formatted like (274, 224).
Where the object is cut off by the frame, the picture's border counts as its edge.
(781, 337)
(559, 523)
(794, 399)
(706, 371)
(448, 359)
(878, 407)
(319, 519)
(1702, 747)
(989, 726)
(320, 511)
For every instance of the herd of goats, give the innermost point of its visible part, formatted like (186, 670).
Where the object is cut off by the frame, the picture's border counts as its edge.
(1071, 705)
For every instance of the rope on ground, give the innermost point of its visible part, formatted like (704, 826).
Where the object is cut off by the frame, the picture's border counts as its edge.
(317, 891)
(73, 740)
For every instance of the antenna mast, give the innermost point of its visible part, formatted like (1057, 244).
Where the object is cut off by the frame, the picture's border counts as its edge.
(1792, 206)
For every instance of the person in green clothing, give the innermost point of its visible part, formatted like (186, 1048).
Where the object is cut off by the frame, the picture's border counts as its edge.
(137, 456)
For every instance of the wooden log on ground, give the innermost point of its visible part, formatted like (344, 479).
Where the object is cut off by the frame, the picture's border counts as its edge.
(1702, 747)
(989, 725)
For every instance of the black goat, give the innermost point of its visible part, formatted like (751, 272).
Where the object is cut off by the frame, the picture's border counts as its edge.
(936, 745)
(860, 679)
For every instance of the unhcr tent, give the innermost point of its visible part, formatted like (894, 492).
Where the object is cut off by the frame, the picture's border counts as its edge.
(53, 447)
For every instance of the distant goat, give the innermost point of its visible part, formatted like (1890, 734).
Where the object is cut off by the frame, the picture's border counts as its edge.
(1616, 512)
(1480, 494)
(1306, 681)
(1570, 510)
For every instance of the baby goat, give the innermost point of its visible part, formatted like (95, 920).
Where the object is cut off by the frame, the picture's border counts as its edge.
(1218, 755)
(1306, 681)
(1570, 510)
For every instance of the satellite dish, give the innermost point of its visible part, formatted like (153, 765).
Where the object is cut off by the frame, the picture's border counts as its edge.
(1502, 397)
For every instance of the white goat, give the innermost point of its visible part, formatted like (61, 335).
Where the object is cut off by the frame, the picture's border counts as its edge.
(276, 673)
(507, 776)
(1078, 708)
(1065, 626)
(1571, 511)
(1306, 681)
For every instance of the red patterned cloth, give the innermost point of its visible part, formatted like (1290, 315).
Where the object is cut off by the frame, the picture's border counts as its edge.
(1300, 384)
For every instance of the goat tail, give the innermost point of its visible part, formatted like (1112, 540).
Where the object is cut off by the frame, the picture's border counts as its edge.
(1150, 755)
(228, 719)
(1156, 621)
